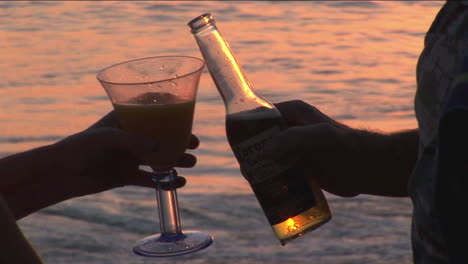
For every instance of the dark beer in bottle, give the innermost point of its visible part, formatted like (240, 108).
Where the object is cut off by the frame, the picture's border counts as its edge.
(291, 201)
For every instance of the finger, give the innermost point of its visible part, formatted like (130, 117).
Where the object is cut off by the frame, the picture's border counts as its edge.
(299, 113)
(194, 142)
(187, 161)
(293, 112)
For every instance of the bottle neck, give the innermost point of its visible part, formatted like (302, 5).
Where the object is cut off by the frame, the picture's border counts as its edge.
(227, 74)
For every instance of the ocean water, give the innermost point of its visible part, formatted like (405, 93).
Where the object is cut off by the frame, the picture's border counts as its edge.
(355, 61)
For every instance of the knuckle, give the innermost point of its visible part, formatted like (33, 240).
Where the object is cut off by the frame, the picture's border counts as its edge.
(300, 104)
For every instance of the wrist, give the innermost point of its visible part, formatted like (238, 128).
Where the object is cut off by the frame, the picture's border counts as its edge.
(386, 161)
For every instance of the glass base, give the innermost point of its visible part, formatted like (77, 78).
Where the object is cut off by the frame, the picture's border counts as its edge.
(161, 246)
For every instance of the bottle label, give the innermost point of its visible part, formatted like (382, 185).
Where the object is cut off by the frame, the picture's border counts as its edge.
(282, 192)
(249, 153)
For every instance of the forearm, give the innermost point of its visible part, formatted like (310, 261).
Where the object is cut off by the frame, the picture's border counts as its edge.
(34, 197)
(388, 160)
(24, 168)
(25, 181)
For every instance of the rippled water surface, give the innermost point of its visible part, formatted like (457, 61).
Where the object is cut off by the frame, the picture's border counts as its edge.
(353, 60)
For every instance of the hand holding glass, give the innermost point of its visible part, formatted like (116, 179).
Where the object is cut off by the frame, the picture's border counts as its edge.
(155, 97)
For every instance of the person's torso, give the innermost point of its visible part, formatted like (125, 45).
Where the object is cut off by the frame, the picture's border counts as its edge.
(445, 45)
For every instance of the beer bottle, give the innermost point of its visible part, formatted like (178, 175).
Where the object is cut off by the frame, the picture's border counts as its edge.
(292, 203)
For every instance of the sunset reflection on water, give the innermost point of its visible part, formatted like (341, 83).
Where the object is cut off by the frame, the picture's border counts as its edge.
(355, 61)
(357, 64)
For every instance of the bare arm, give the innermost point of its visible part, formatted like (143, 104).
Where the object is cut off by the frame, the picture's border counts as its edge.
(387, 162)
(97, 159)
(345, 161)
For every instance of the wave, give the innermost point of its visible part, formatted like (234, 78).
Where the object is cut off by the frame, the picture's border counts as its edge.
(14, 140)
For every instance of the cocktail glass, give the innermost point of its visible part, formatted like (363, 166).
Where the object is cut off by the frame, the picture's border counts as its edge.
(155, 97)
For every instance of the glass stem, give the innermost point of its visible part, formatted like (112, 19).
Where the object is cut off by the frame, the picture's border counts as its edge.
(169, 218)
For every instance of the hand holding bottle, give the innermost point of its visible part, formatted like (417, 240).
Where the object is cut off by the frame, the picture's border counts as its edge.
(319, 144)
(344, 161)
